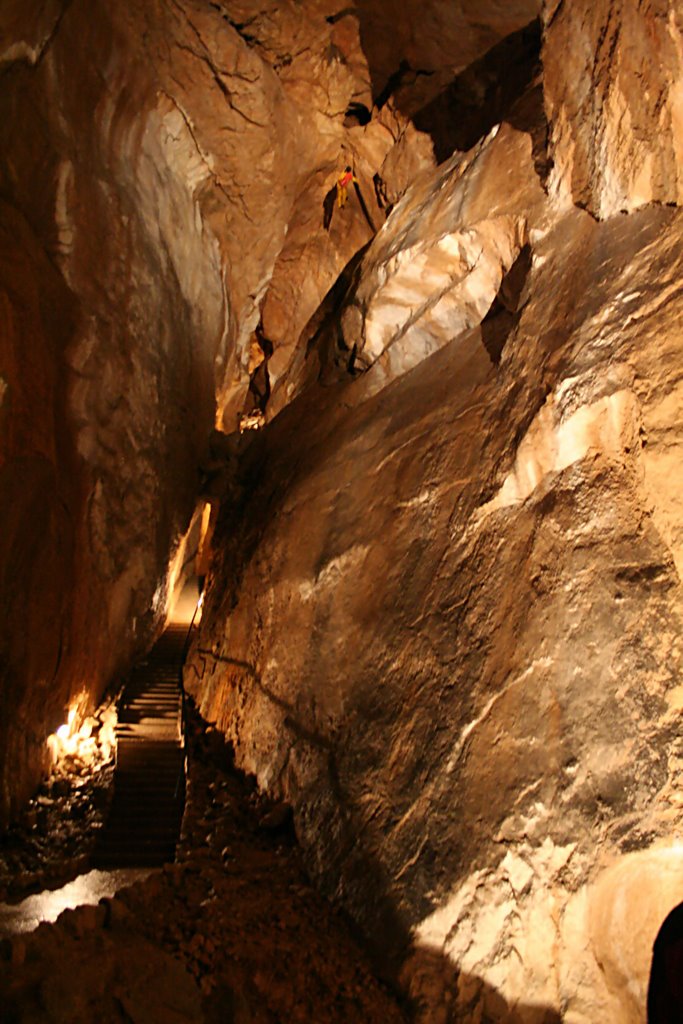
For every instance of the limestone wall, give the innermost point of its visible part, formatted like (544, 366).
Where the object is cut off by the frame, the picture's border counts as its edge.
(447, 621)
(164, 166)
(443, 618)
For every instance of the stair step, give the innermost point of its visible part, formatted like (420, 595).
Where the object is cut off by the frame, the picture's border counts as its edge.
(145, 815)
(128, 833)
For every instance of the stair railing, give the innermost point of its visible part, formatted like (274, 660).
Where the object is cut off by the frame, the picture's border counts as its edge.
(181, 680)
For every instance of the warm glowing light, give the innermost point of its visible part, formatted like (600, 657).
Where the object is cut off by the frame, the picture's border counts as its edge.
(252, 421)
(206, 522)
(77, 738)
(86, 890)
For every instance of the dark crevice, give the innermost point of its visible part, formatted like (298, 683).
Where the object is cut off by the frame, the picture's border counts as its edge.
(259, 382)
(239, 26)
(404, 75)
(506, 308)
(550, 16)
(356, 114)
(665, 988)
(364, 208)
(323, 334)
(330, 204)
(381, 194)
(489, 91)
(332, 19)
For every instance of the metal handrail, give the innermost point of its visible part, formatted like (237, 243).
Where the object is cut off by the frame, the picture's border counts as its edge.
(181, 681)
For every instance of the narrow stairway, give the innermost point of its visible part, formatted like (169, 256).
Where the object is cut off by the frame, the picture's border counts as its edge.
(149, 781)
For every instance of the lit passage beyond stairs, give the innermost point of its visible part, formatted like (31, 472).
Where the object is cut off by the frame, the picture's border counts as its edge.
(149, 781)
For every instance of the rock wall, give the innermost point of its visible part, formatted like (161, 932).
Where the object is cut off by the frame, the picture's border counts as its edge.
(169, 166)
(413, 57)
(40, 498)
(444, 611)
(616, 107)
(455, 638)
(445, 622)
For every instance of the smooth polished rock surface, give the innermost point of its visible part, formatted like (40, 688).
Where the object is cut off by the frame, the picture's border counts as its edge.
(437, 266)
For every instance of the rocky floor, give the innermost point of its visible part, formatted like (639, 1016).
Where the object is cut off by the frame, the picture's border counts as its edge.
(53, 840)
(232, 932)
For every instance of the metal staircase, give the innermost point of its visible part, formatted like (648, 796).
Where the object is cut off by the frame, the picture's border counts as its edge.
(149, 781)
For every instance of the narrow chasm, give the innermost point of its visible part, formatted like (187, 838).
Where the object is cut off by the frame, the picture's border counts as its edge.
(341, 528)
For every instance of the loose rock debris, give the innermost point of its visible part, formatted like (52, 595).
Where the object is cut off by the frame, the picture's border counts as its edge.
(51, 843)
(231, 932)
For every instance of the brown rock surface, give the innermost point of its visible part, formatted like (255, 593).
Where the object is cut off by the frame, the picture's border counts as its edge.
(447, 624)
(26, 26)
(413, 56)
(435, 269)
(444, 610)
(41, 568)
(171, 162)
(613, 80)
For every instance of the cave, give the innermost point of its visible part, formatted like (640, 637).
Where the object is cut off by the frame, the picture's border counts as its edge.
(664, 995)
(341, 378)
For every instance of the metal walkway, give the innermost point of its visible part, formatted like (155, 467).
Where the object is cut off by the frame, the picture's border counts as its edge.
(149, 781)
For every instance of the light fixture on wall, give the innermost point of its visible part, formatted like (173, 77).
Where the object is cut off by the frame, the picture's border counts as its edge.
(86, 737)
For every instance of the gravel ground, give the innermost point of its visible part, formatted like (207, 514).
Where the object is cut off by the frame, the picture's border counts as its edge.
(53, 840)
(232, 932)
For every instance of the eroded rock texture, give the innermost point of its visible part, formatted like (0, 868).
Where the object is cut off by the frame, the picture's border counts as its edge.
(165, 169)
(614, 93)
(443, 617)
(446, 623)
(455, 639)
(415, 55)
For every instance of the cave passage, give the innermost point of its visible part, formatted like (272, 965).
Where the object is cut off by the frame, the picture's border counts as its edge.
(369, 315)
(233, 926)
(143, 823)
(665, 989)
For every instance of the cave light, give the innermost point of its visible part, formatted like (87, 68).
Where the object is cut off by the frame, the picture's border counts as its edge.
(75, 736)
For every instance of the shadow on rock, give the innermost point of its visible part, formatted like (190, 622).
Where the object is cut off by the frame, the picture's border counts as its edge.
(484, 94)
(440, 993)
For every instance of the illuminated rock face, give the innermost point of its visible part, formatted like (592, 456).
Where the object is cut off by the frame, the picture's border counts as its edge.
(435, 270)
(450, 633)
(446, 625)
(168, 171)
(616, 107)
(443, 619)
